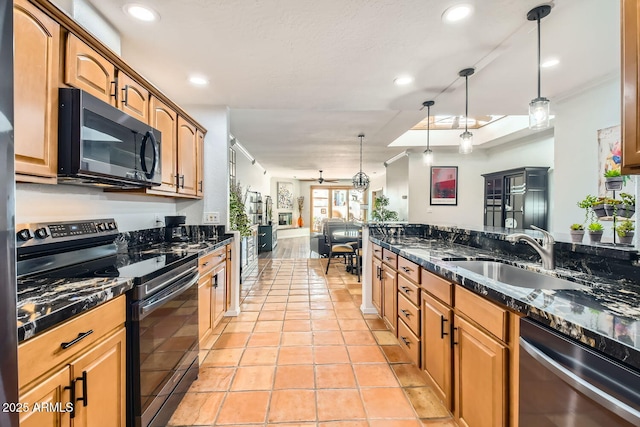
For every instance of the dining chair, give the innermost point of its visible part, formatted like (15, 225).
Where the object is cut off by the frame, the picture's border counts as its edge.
(339, 242)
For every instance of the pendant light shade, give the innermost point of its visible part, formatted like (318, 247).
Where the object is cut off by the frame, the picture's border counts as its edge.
(361, 180)
(427, 155)
(539, 117)
(466, 137)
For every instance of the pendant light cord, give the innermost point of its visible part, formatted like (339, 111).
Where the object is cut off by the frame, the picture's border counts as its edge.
(538, 56)
(362, 136)
(428, 124)
(466, 103)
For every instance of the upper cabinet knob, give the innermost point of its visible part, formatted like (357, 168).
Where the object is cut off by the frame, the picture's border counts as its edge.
(41, 233)
(24, 235)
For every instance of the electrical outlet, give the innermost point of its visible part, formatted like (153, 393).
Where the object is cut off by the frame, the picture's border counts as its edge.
(211, 218)
(158, 219)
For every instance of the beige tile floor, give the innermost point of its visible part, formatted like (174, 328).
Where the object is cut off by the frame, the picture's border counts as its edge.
(302, 354)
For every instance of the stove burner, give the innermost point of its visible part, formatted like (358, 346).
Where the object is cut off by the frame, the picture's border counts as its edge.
(111, 271)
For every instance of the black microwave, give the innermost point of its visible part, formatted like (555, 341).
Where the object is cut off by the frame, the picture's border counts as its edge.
(100, 145)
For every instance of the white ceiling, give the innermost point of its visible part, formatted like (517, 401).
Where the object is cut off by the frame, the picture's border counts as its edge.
(303, 77)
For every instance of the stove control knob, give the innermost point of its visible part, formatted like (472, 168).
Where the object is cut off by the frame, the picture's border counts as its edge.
(41, 233)
(24, 235)
(101, 226)
(112, 226)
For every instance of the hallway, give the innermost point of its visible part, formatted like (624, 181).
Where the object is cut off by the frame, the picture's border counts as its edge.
(302, 354)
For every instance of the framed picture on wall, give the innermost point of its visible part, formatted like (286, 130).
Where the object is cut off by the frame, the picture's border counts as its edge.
(444, 185)
(285, 195)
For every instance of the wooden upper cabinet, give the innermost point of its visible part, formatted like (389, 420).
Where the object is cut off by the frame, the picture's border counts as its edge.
(200, 164)
(630, 22)
(187, 155)
(133, 98)
(37, 56)
(165, 120)
(86, 69)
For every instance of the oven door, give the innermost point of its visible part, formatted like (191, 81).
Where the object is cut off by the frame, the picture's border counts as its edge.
(163, 345)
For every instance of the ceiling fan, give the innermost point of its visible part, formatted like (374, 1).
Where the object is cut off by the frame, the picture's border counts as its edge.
(320, 179)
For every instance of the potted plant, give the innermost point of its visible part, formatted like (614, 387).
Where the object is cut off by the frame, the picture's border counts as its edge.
(380, 211)
(238, 218)
(588, 204)
(628, 207)
(624, 230)
(595, 232)
(613, 180)
(577, 233)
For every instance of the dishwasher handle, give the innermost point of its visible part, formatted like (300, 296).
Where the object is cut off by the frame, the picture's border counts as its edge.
(592, 392)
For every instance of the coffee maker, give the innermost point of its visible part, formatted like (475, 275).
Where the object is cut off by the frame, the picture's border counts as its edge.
(174, 230)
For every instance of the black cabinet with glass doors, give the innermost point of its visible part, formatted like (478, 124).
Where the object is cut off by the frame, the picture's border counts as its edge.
(516, 198)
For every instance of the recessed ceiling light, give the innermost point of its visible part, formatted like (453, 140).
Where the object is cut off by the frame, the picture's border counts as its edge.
(142, 13)
(457, 13)
(402, 80)
(198, 80)
(551, 62)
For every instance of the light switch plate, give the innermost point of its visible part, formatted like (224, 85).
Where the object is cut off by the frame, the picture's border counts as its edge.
(211, 218)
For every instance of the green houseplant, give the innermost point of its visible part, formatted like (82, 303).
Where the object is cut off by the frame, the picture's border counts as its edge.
(613, 180)
(595, 232)
(238, 218)
(577, 233)
(625, 231)
(380, 211)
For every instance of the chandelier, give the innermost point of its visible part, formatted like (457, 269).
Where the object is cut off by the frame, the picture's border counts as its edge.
(360, 180)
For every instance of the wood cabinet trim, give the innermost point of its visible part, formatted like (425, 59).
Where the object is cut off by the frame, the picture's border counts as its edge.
(69, 24)
(630, 55)
(483, 312)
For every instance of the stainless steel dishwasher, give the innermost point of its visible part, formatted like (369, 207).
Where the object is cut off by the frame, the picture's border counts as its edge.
(564, 383)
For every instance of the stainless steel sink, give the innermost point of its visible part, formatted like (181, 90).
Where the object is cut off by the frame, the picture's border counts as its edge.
(515, 276)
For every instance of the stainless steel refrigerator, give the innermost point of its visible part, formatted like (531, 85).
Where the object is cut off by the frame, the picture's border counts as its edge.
(8, 329)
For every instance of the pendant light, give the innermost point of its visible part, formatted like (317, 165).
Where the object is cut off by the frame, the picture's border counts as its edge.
(361, 180)
(466, 138)
(427, 156)
(539, 107)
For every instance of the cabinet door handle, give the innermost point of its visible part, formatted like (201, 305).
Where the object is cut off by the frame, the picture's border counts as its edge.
(406, 313)
(205, 264)
(453, 341)
(442, 322)
(84, 398)
(262, 234)
(72, 389)
(125, 91)
(388, 258)
(405, 289)
(182, 178)
(215, 281)
(113, 90)
(200, 185)
(81, 336)
(405, 341)
(378, 272)
(178, 180)
(406, 269)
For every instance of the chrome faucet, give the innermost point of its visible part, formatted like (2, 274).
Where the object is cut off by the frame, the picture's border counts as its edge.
(545, 251)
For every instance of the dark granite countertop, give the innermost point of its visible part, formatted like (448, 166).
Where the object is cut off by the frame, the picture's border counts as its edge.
(605, 315)
(45, 302)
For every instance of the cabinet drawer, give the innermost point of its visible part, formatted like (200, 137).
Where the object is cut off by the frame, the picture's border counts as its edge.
(410, 269)
(209, 261)
(390, 258)
(409, 290)
(409, 314)
(376, 250)
(409, 341)
(485, 313)
(40, 354)
(437, 286)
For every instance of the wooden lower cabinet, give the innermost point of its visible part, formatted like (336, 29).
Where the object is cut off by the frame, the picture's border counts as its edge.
(98, 379)
(437, 358)
(205, 321)
(212, 291)
(376, 284)
(480, 377)
(390, 297)
(100, 383)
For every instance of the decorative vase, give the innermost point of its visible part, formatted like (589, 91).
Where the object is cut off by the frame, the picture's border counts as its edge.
(627, 238)
(595, 236)
(300, 223)
(577, 236)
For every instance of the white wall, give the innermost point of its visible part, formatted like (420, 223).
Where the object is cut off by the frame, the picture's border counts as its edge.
(41, 203)
(397, 187)
(533, 151)
(578, 119)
